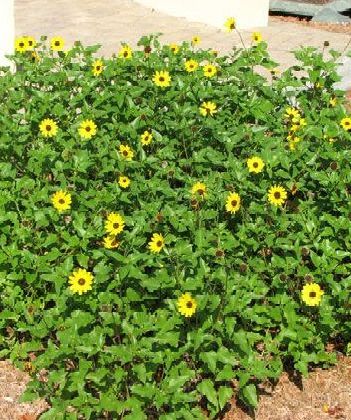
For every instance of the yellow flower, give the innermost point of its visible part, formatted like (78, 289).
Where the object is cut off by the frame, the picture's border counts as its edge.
(35, 57)
(255, 164)
(230, 24)
(257, 37)
(125, 52)
(277, 195)
(333, 101)
(61, 200)
(312, 294)
(126, 152)
(162, 78)
(293, 140)
(195, 40)
(298, 123)
(114, 224)
(186, 305)
(191, 65)
(87, 129)
(31, 42)
(174, 48)
(146, 138)
(292, 113)
(98, 66)
(21, 44)
(208, 108)
(57, 43)
(346, 123)
(156, 243)
(48, 127)
(233, 203)
(275, 72)
(80, 281)
(209, 70)
(200, 189)
(111, 242)
(123, 181)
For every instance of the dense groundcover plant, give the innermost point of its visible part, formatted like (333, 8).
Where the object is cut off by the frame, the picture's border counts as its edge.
(175, 226)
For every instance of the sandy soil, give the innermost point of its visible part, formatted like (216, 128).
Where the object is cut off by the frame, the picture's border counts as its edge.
(325, 394)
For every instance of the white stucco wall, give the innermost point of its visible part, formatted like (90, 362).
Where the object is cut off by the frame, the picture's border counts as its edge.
(7, 27)
(248, 13)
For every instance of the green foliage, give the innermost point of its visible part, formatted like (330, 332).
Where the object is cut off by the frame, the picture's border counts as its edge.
(122, 350)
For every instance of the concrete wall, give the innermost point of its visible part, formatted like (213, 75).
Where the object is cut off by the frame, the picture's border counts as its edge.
(7, 25)
(248, 13)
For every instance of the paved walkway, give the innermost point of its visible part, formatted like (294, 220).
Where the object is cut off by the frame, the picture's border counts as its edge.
(109, 22)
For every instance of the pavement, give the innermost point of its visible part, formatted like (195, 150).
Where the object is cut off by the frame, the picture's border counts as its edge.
(110, 22)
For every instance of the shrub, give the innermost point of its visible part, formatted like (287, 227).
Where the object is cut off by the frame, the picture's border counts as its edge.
(171, 222)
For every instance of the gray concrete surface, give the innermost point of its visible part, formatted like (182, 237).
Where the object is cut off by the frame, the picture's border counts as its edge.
(109, 22)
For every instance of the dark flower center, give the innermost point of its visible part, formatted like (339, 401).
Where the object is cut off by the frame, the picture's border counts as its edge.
(232, 26)
(21, 44)
(161, 79)
(125, 153)
(125, 54)
(159, 243)
(313, 294)
(189, 304)
(277, 195)
(61, 201)
(209, 70)
(116, 225)
(30, 43)
(255, 164)
(201, 191)
(57, 43)
(87, 129)
(81, 282)
(234, 203)
(114, 242)
(98, 68)
(48, 127)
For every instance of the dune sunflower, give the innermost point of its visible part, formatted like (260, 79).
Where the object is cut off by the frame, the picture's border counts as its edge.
(174, 48)
(125, 52)
(191, 65)
(123, 181)
(255, 164)
(114, 224)
(208, 109)
(346, 123)
(256, 37)
(277, 195)
(230, 24)
(162, 78)
(186, 305)
(156, 243)
(195, 40)
(126, 152)
(48, 127)
(209, 70)
(80, 281)
(61, 200)
(57, 43)
(31, 42)
(199, 188)
(111, 242)
(98, 67)
(21, 44)
(233, 203)
(146, 138)
(87, 129)
(312, 294)
(333, 101)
